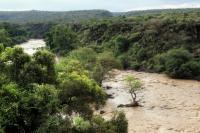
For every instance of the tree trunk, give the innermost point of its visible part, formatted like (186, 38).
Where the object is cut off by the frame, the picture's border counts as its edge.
(133, 97)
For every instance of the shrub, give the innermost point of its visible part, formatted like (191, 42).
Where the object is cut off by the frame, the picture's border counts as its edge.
(175, 58)
(190, 69)
(135, 65)
(108, 61)
(81, 126)
(102, 126)
(105, 62)
(177, 63)
(120, 122)
(157, 63)
(86, 56)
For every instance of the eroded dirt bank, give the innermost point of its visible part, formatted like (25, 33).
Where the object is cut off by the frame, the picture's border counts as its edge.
(169, 105)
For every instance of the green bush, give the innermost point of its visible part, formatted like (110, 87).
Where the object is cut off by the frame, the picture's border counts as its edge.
(86, 56)
(157, 63)
(135, 65)
(120, 122)
(177, 63)
(174, 60)
(105, 62)
(190, 69)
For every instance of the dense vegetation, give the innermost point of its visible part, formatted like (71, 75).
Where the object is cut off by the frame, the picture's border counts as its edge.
(140, 43)
(12, 34)
(35, 16)
(159, 11)
(37, 96)
(47, 16)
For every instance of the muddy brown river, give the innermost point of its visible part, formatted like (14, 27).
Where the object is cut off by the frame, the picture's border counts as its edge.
(168, 105)
(31, 46)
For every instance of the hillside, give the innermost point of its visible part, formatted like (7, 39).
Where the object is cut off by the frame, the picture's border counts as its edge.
(35, 16)
(157, 11)
(48, 16)
(168, 43)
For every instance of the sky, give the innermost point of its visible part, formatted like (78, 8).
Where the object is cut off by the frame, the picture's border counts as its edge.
(111, 5)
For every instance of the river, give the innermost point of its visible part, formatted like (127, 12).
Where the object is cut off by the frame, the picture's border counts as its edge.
(168, 105)
(31, 46)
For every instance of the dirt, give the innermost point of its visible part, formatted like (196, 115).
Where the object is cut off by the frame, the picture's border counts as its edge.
(168, 105)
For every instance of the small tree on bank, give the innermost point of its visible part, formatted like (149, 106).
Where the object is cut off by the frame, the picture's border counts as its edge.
(134, 85)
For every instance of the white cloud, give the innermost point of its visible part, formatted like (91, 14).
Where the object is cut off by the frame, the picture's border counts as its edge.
(184, 5)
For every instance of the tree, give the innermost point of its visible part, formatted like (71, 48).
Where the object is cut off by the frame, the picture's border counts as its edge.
(25, 110)
(78, 92)
(121, 44)
(46, 60)
(14, 60)
(1, 48)
(86, 56)
(61, 39)
(4, 38)
(106, 61)
(134, 85)
(37, 98)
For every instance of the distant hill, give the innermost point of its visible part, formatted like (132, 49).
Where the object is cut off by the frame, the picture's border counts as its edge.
(157, 11)
(50, 16)
(35, 16)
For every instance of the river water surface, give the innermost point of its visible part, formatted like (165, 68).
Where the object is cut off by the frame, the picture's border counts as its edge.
(168, 105)
(31, 46)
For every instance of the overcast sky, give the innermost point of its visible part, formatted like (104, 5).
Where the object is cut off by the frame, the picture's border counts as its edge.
(112, 5)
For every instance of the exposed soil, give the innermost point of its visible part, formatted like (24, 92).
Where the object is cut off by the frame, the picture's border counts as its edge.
(168, 105)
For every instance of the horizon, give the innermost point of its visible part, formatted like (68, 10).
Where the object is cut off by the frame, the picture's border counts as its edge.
(112, 5)
(97, 10)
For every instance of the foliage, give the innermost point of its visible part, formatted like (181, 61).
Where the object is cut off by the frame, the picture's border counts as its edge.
(134, 85)
(174, 60)
(177, 63)
(61, 39)
(86, 56)
(81, 126)
(97, 64)
(120, 121)
(5, 38)
(46, 16)
(78, 91)
(36, 97)
(139, 41)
